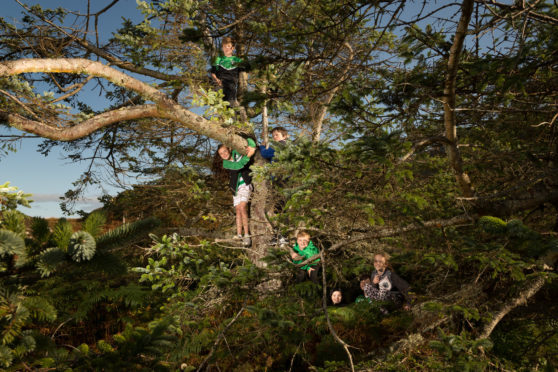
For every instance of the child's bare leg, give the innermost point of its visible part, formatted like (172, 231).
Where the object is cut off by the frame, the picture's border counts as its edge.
(244, 217)
(239, 219)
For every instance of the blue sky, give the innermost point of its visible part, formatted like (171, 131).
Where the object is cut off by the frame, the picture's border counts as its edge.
(48, 178)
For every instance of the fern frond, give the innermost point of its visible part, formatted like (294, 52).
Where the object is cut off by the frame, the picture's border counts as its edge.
(6, 356)
(49, 261)
(126, 231)
(82, 246)
(40, 308)
(11, 243)
(62, 233)
(25, 346)
(94, 223)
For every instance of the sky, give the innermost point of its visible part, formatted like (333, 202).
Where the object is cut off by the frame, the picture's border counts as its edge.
(48, 178)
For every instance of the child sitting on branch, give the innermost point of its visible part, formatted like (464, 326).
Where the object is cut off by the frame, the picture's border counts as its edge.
(385, 285)
(303, 250)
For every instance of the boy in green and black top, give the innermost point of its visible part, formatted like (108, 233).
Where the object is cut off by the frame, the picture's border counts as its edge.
(303, 250)
(225, 70)
(240, 183)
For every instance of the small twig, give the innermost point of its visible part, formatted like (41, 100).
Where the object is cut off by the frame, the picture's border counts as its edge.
(60, 326)
(218, 340)
(293, 357)
(324, 306)
(20, 103)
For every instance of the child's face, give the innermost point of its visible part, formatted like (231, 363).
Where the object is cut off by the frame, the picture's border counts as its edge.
(336, 297)
(224, 153)
(302, 241)
(278, 136)
(364, 282)
(228, 49)
(379, 263)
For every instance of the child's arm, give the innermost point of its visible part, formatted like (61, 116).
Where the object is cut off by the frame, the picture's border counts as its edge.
(237, 165)
(216, 79)
(268, 153)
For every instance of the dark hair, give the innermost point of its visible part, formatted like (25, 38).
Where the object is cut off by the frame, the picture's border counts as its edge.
(281, 130)
(342, 296)
(219, 173)
(363, 277)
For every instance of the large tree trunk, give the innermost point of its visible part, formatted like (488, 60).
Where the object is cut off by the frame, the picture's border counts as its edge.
(260, 228)
(448, 99)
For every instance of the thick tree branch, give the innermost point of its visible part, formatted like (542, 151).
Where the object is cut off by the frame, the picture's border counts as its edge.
(528, 291)
(166, 108)
(84, 128)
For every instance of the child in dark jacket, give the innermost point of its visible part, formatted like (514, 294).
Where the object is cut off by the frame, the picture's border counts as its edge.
(385, 284)
(280, 136)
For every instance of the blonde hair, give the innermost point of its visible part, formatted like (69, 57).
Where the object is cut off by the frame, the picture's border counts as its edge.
(303, 234)
(385, 255)
(227, 40)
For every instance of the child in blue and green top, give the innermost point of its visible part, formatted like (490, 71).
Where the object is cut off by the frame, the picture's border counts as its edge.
(225, 71)
(240, 183)
(303, 250)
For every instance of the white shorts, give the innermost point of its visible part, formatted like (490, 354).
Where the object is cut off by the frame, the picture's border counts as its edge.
(242, 194)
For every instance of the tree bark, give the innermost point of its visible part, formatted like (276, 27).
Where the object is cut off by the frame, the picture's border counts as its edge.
(319, 112)
(260, 228)
(448, 100)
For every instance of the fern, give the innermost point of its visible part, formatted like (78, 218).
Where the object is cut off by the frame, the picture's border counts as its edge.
(82, 246)
(40, 308)
(126, 231)
(6, 356)
(94, 223)
(62, 233)
(11, 243)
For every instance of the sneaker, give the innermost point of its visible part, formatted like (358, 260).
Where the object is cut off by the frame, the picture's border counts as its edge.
(237, 237)
(246, 241)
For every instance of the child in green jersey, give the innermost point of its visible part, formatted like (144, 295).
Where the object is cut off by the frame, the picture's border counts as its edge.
(225, 71)
(303, 250)
(240, 183)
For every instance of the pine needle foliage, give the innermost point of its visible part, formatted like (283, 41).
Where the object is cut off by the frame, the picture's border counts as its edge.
(120, 234)
(62, 233)
(49, 260)
(12, 244)
(82, 246)
(40, 230)
(14, 221)
(94, 223)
